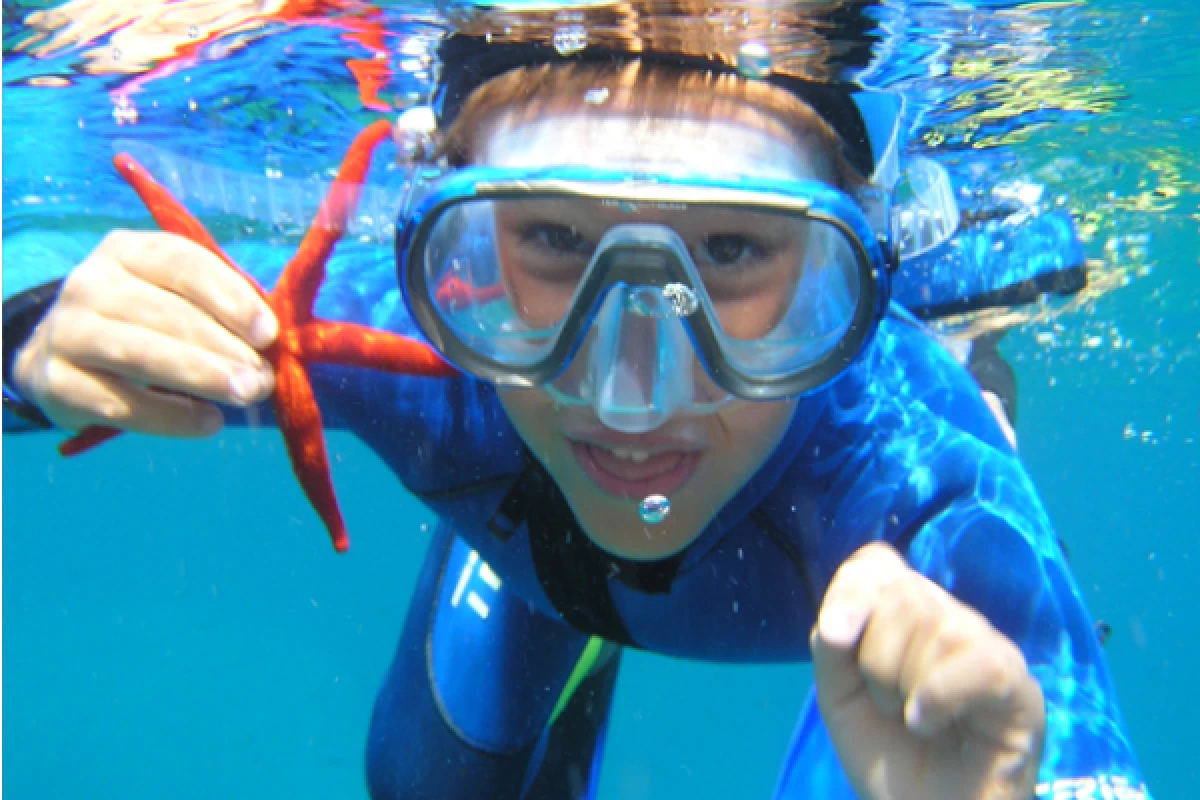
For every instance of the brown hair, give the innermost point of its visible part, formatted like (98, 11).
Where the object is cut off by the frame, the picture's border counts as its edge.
(533, 92)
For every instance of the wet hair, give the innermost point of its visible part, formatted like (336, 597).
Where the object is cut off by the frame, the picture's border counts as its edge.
(634, 86)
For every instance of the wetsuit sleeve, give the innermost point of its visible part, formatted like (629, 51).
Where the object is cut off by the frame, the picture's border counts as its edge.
(22, 313)
(993, 548)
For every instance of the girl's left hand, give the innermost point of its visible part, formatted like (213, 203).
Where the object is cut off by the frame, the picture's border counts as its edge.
(922, 697)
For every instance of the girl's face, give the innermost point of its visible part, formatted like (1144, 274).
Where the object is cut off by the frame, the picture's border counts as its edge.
(698, 461)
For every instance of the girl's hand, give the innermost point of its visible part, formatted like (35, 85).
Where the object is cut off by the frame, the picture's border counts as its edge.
(922, 697)
(147, 334)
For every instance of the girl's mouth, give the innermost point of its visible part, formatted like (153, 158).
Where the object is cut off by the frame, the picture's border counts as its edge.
(632, 474)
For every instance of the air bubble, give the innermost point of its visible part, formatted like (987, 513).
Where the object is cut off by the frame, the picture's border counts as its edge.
(654, 509)
(754, 60)
(124, 111)
(414, 132)
(680, 299)
(193, 32)
(570, 39)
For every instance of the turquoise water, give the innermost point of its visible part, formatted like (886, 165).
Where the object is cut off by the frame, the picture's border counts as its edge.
(175, 622)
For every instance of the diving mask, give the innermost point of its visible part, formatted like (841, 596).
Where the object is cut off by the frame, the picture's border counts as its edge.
(641, 296)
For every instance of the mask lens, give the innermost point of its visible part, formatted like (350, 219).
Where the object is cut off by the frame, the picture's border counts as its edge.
(778, 289)
(781, 317)
(486, 306)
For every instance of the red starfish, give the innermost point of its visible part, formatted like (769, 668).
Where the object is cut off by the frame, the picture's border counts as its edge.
(303, 339)
(457, 293)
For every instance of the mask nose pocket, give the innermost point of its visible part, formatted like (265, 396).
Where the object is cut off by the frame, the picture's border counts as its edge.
(641, 361)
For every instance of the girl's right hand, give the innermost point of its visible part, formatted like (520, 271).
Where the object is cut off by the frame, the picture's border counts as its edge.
(147, 334)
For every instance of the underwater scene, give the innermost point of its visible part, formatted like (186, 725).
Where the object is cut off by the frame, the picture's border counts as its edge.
(522, 423)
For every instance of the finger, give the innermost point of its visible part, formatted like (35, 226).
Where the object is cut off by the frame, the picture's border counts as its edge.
(849, 602)
(853, 592)
(143, 356)
(83, 398)
(985, 689)
(147, 306)
(901, 637)
(185, 268)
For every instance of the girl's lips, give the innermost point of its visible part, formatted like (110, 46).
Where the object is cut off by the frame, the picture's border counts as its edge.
(662, 473)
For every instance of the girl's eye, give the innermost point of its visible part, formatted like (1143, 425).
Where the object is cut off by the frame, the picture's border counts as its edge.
(561, 239)
(728, 249)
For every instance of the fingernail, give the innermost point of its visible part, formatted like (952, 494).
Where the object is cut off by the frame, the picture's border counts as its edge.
(264, 329)
(244, 383)
(211, 420)
(1014, 764)
(912, 714)
(842, 625)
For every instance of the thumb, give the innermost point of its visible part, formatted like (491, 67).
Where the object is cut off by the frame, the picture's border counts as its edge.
(834, 643)
(849, 603)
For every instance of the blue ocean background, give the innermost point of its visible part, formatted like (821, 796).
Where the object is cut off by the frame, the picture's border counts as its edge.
(176, 624)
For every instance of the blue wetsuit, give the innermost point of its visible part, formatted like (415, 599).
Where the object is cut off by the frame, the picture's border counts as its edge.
(502, 680)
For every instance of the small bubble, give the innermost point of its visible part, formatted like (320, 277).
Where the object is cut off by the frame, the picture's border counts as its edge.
(596, 97)
(193, 32)
(654, 509)
(680, 299)
(124, 111)
(570, 39)
(116, 54)
(754, 60)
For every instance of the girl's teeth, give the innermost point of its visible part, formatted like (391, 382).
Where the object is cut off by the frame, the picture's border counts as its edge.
(636, 456)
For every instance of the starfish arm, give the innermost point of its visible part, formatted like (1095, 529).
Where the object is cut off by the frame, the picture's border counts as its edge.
(86, 439)
(170, 214)
(358, 346)
(172, 217)
(300, 421)
(456, 293)
(293, 296)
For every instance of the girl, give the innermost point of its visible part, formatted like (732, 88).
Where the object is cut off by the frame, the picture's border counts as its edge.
(690, 421)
